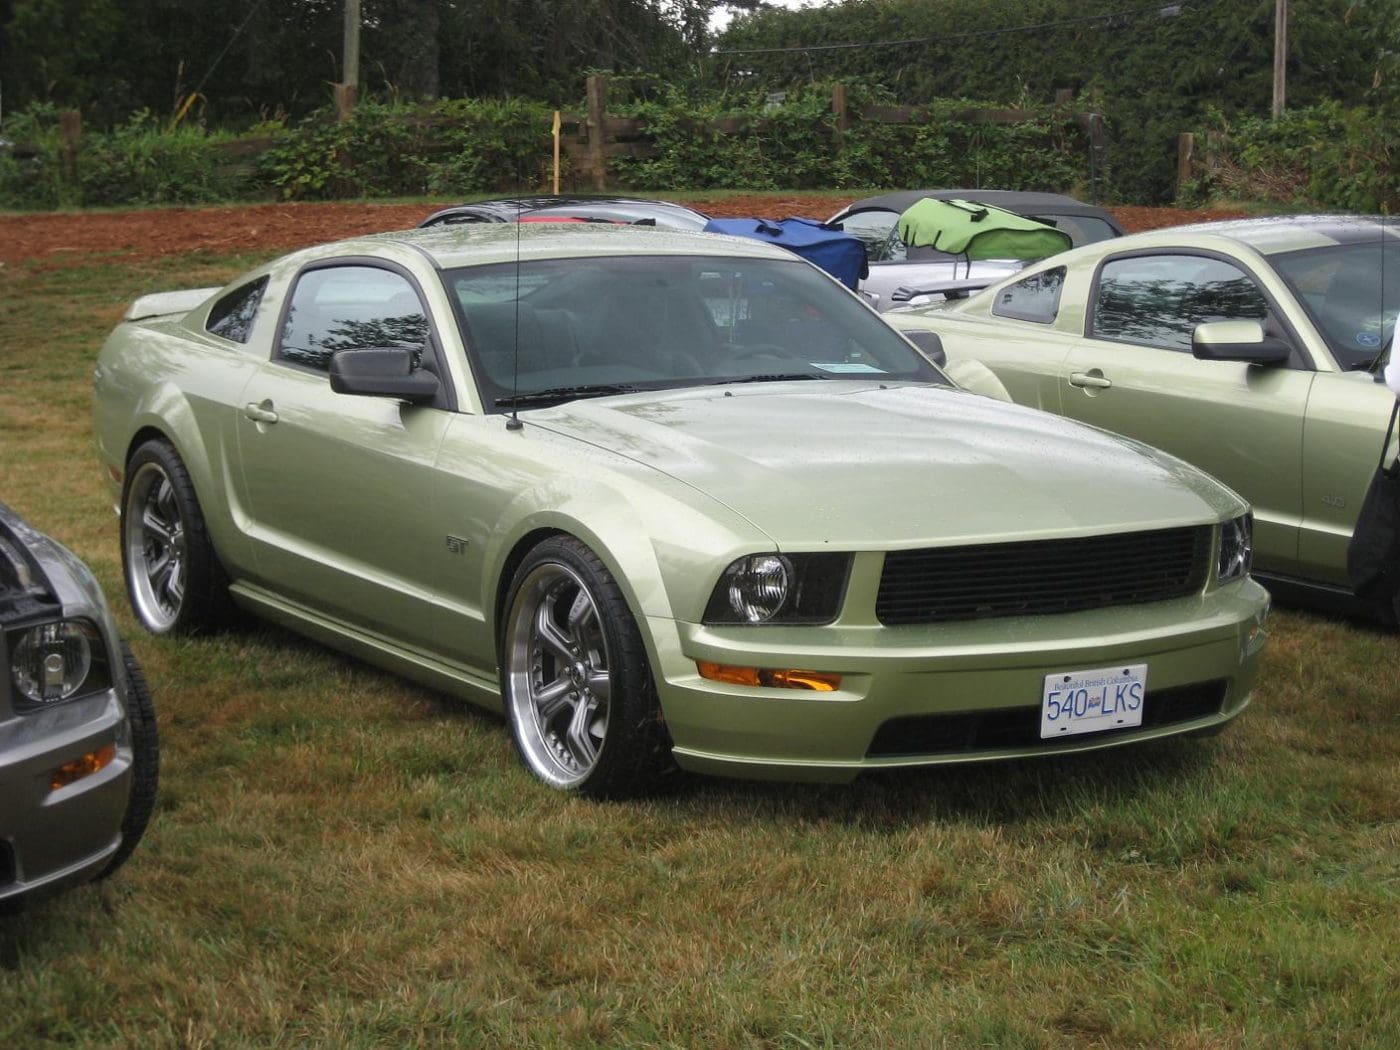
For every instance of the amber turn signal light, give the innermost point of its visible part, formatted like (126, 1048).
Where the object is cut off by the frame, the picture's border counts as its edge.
(85, 766)
(772, 678)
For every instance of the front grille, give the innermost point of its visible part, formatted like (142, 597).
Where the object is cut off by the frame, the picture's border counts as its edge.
(1020, 726)
(942, 584)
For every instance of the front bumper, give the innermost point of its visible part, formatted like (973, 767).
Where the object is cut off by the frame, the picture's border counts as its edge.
(927, 695)
(53, 838)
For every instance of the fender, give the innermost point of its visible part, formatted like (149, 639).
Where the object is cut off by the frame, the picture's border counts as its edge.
(190, 408)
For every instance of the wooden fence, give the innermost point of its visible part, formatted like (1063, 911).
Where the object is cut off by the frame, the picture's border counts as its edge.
(591, 138)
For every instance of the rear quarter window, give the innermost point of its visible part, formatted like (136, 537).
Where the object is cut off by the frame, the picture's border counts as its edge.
(1034, 298)
(232, 316)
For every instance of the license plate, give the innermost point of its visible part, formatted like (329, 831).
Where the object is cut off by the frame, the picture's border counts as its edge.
(1091, 701)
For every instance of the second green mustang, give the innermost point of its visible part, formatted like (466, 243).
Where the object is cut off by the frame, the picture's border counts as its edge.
(663, 499)
(1250, 348)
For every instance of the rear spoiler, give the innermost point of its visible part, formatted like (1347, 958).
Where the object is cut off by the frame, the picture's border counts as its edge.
(162, 303)
(959, 288)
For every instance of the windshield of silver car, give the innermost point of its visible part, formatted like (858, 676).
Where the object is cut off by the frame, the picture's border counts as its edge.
(1351, 292)
(547, 331)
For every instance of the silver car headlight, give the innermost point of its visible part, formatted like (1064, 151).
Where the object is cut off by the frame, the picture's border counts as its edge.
(1236, 548)
(57, 661)
(780, 589)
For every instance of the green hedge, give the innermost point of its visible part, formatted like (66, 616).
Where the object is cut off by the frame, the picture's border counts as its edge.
(1151, 68)
(137, 163)
(1325, 156)
(454, 147)
(794, 144)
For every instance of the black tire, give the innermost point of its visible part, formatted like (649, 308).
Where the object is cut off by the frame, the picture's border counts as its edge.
(174, 580)
(145, 761)
(578, 690)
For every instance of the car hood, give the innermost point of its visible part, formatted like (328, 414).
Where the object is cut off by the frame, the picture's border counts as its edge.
(865, 465)
(24, 590)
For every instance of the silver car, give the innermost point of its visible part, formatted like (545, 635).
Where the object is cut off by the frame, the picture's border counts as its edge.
(78, 748)
(898, 272)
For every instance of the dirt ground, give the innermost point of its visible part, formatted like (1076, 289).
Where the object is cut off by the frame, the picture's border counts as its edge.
(58, 239)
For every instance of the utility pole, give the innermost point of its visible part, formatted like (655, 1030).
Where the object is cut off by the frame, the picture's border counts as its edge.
(1280, 54)
(348, 89)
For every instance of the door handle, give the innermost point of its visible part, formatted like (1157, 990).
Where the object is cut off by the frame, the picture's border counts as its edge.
(1094, 378)
(260, 413)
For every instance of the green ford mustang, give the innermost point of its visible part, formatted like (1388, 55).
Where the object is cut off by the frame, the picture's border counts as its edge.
(663, 499)
(1250, 348)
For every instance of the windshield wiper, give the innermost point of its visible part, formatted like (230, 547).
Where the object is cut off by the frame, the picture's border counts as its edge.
(566, 393)
(771, 377)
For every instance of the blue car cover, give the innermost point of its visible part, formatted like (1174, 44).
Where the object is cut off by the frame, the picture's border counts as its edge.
(831, 248)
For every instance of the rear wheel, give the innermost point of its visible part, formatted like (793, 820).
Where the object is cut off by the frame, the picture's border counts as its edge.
(145, 761)
(578, 690)
(173, 575)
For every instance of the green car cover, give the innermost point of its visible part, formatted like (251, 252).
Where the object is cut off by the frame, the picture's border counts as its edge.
(978, 231)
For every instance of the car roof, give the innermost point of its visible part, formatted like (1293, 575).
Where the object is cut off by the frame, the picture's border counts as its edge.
(507, 209)
(486, 243)
(1020, 201)
(1273, 234)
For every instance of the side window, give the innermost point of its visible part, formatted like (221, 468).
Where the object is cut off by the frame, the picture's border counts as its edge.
(1034, 298)
(873, 229)
(232, 316)
(1158, 300)
(350, 308)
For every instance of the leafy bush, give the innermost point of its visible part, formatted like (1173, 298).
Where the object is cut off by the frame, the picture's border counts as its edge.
(137, 163)
(456, 146)
(794, 144)
(141, 163)
(1326, 155)
(1150, 67)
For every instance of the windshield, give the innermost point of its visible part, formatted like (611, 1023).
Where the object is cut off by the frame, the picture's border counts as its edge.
(546, 331)
(1351, 293)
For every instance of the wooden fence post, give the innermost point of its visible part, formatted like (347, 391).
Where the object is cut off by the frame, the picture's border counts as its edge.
(1185, 157)
(597, 125)
(838, 107)
(70, 133)
(346, 95)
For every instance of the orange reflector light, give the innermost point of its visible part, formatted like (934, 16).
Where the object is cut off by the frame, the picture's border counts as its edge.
(82, 767)
(820, 681)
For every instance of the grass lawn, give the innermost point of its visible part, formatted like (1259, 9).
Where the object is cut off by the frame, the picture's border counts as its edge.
(339, 858)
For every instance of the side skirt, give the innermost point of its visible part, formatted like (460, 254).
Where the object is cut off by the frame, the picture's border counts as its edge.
(446, 676)
(1322, 597)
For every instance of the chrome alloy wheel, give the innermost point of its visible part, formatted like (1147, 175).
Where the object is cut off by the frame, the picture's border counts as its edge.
(559, 682)
(153, 541)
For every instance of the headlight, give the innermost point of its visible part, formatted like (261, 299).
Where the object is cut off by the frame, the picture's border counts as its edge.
(1236, 548)
(58, 661)
(780, 588)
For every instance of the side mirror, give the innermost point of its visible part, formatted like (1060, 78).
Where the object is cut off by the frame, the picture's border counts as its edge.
(1238, 341)
(930, 344)
(382, 371)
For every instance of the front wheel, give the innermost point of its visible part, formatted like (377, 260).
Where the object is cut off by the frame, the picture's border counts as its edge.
(173, 575)
(578, 690)
(145, 761)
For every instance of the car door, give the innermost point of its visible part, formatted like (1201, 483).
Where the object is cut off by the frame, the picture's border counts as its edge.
(1134, 373)
(1347, 416)
(1017, 332)
(339, 488)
